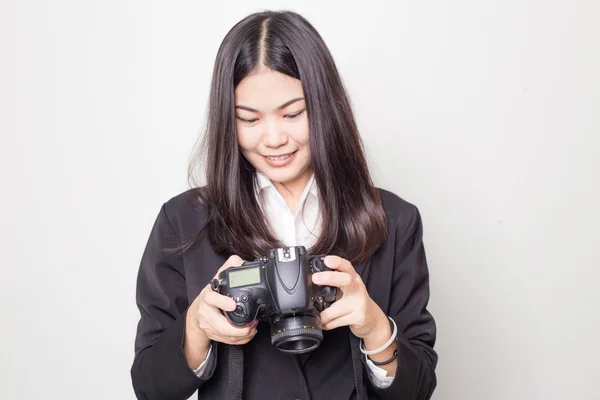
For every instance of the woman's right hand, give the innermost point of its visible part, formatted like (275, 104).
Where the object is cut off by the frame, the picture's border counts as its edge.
(205, 322)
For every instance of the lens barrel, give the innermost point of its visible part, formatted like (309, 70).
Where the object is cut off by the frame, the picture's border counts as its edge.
(297, 334)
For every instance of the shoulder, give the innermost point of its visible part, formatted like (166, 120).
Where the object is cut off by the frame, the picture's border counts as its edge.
(188, 199)
(185, 211)
(400, 213)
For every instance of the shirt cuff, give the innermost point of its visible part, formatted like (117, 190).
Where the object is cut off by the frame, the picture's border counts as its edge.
(378, 376)
(200, 370)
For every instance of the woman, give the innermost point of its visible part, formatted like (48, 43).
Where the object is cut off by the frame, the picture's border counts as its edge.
(284, 166)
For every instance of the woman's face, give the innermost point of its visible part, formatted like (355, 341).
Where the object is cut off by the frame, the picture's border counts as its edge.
(272, 126)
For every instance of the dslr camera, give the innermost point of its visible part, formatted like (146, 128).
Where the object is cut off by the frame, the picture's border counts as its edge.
(278, 289)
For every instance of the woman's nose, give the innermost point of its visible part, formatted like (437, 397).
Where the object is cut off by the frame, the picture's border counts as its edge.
(274, 136)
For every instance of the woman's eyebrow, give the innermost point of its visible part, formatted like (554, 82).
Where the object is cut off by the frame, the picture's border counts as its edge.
(281, 107)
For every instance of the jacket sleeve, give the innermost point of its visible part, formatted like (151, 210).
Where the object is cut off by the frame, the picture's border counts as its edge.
(160, 369)
(415, 375)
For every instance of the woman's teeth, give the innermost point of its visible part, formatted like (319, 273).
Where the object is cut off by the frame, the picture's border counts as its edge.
(279, 158)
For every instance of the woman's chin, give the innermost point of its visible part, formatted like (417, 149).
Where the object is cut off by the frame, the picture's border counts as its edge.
(281, 176)
(289, 176)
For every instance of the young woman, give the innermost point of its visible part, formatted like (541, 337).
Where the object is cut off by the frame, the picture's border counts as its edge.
(284, 166)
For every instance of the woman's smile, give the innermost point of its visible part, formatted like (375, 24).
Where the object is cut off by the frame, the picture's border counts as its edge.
(280, 160)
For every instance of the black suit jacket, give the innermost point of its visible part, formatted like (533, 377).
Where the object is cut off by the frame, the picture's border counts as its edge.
(397, 279)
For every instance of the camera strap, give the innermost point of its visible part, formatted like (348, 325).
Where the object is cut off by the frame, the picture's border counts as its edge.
(361, 392)
(236, 372)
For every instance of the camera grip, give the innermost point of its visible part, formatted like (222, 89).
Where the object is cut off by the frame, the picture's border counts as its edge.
(247, 308)
(326, 294)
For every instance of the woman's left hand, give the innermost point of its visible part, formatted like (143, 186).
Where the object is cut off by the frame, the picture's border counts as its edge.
(354, 307)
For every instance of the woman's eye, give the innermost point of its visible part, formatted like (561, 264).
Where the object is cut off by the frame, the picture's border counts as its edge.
(248, 121)
(292, 116)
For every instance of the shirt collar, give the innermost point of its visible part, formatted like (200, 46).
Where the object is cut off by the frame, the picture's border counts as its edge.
(262, 182)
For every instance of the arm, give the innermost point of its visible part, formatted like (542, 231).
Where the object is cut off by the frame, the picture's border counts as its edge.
(160, 368)
(414, 376)
(202, 368)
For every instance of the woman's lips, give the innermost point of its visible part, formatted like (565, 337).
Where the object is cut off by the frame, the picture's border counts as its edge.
(280, 161)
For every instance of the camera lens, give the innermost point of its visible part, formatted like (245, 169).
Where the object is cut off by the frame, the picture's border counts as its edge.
(297, 334)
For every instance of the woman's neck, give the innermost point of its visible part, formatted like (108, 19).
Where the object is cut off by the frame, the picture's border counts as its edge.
(292, 191)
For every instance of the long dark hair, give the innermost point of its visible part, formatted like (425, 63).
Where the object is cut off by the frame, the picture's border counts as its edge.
(353, 220)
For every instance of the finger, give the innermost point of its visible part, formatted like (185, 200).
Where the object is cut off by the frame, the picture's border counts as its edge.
(225, 328)
(217, 327)
(234, 340)
(219, 301)
(332, 278)
(339, 264)
(344, 320)
(220, 326)
(336, 310)
(217, 336)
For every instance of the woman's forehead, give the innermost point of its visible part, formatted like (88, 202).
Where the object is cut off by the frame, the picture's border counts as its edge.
(267, 90)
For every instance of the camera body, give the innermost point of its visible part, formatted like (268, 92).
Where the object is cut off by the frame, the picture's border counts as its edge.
(278, 289)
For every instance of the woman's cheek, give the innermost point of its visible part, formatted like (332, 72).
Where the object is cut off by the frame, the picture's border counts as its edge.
(299, 133)
(247, 138)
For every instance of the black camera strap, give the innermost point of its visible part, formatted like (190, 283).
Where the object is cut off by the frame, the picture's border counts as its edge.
(236, 370)
(361, 391)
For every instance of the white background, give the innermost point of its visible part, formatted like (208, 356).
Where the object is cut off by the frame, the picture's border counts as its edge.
(482, 113)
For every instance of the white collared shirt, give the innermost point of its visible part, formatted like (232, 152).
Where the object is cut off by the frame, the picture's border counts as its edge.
(299, 229)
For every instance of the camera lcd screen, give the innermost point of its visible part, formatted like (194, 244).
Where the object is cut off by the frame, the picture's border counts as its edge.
(243, 277)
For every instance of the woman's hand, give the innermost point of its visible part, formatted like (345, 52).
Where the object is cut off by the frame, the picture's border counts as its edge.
(354, 307)
(206, 322)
